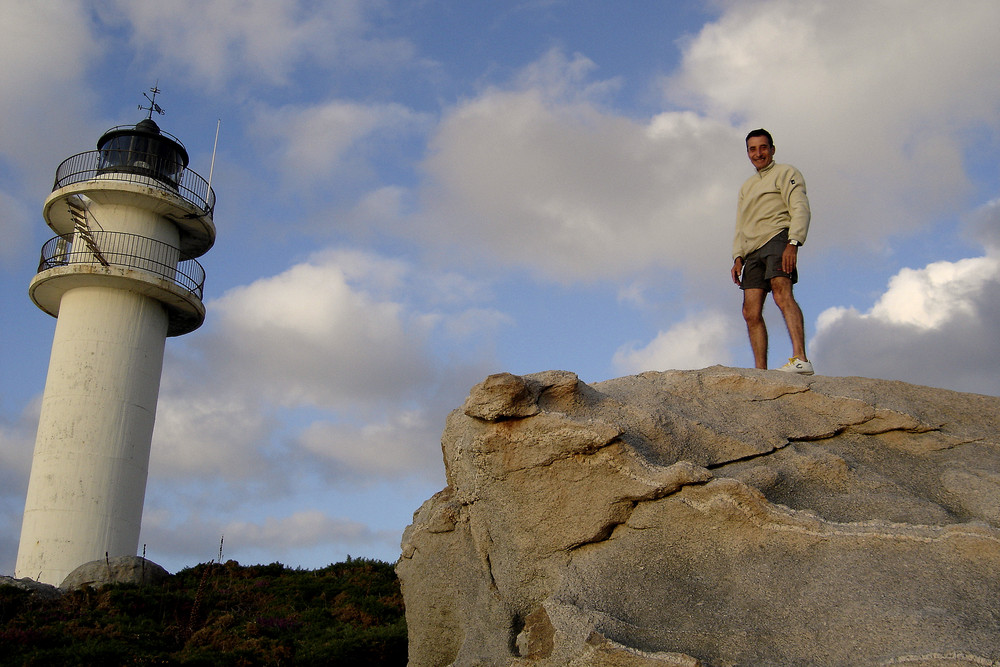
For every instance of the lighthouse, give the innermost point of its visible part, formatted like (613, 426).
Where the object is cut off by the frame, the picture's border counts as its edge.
(120, 276)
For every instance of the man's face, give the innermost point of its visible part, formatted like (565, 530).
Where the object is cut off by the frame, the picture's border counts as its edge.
(760, 152)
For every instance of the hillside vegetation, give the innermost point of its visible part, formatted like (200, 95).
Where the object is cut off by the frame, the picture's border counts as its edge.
(349, 613)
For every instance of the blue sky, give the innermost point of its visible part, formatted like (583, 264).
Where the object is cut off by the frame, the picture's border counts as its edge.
(413, 195)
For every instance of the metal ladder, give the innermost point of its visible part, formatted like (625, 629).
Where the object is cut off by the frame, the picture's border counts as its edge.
(79, 213)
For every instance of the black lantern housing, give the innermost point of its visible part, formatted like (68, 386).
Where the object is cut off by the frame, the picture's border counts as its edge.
(143, 150)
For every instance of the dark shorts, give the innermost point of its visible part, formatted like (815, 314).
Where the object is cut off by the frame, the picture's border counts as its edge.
(764, 263)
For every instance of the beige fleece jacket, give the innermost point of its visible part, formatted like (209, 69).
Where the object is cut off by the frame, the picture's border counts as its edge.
(772, 199)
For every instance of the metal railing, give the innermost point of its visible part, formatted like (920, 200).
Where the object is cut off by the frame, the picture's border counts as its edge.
(132, 167)
(120, 249)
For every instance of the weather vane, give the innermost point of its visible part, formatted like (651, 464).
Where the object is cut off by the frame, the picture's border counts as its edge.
(153, 106)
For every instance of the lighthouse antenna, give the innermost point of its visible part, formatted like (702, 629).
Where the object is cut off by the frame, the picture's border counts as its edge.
(211, 169)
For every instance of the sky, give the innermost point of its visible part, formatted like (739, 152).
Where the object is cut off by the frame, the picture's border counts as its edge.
(412, 195)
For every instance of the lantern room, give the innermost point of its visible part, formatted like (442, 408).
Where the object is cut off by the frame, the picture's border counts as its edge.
(144, 150)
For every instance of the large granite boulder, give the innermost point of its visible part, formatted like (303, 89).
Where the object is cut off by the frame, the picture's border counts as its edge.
(117, 570)
(712, 517)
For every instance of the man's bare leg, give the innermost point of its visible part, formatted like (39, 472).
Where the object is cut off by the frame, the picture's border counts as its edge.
(781, 290)
(753, 313)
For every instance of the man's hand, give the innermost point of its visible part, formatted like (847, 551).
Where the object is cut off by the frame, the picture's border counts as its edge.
(789, 258)
(737, 270)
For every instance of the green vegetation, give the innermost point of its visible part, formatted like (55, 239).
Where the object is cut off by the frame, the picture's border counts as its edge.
(350, 613)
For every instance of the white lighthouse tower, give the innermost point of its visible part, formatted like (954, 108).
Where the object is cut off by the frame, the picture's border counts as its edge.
(120, 276)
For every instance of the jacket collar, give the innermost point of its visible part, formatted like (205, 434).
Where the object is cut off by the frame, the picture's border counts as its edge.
(766, 169)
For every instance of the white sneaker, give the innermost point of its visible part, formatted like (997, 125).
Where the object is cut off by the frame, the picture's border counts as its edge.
(796, 365)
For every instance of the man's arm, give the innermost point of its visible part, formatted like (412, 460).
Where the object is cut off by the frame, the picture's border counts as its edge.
(737, 269)
(797, 201)
(793, 191)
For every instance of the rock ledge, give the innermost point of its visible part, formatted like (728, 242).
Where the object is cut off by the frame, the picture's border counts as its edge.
(712, 517)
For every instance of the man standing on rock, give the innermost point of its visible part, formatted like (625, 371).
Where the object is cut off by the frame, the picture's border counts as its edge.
(772, 219)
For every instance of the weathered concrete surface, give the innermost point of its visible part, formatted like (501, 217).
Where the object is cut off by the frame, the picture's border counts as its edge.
(713, 517)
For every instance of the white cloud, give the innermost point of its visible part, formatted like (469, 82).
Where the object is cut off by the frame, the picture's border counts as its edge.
(332, 362)
(45, 100)
(381, 208)
(301, 529)
(934, 326)
(316, 143)
(202, 434)
(927, 298)
(784, 57)
(323, 333)
(405, 444)
(633, 293)
(700, 341)
(542, 177)
(217, 41)
(45, 51)
(566, 79)
(940, 292)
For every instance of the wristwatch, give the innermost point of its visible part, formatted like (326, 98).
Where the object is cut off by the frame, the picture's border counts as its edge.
(794, 242)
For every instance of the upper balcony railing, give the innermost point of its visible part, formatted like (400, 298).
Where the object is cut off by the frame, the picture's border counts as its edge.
(119, 249)
(132, 167)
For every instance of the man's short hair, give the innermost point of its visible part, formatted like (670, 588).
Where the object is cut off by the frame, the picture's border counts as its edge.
(761, 133)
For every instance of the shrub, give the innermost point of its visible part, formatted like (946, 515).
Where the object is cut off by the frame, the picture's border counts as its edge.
(216, 614)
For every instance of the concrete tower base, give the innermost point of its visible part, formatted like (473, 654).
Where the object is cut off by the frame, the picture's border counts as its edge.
(88, 475)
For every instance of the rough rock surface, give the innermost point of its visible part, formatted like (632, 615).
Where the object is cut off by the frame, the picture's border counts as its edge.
(712, 517)
(118, 570)
(36, 588)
